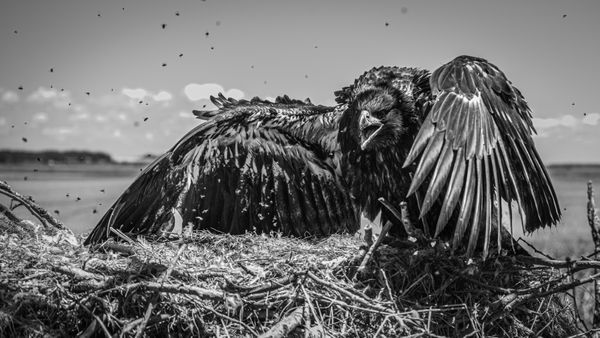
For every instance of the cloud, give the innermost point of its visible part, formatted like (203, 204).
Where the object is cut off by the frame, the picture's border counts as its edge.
(137, 93)
(186, 115)
(196, 92)
(59, 99)
(564, 121)
(42, 94)
(40, 117)
(58, 131)
(162, 96)
(235, 93)
(141, 94)
(591, 119)
(80, 115)
(10, 97)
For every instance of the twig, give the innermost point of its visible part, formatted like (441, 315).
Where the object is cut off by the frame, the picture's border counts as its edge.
(131, 325)
(37, 211)
(595, 229)
(310, 306)
(403, 217)
(173, 288)
(513, 300)
(383, 322)
(78, 273)
(346, 305)
(286, 325)
(9, 214)
(531, 246)
(97, 319)
(269, 286)
(574, 265)
(163, 278)
(362, 300)
(124, 249)
(389, 290)
(233, 320)
(363, 265)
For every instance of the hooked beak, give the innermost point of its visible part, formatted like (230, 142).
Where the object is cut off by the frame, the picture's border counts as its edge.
(369, 127)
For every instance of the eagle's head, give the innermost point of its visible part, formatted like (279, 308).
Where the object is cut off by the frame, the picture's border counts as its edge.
(377, 118)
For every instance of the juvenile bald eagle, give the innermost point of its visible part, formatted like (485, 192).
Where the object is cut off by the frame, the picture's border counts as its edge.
(454, 144)
(252, 166)
(457, 141)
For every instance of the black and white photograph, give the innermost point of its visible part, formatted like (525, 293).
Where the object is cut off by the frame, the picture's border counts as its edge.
(228, 168)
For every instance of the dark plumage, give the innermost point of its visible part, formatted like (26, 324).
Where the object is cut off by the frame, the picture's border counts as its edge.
(454, 143)
(253, 165)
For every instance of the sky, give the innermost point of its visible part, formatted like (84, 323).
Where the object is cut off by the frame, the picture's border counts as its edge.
(123, 76)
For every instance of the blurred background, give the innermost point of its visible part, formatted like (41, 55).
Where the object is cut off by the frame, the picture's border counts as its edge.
(91, 91)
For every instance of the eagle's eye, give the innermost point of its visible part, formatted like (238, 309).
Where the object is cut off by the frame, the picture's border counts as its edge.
(380, 114)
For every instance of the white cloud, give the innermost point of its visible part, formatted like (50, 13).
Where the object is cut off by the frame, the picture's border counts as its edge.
(186, 114)
(42, 94)
(10, 97)
(82, 115)
(162, 96)
(58, 131)
(235, 93)
(591, 119)
(149, 136)
(40, 117)
(196, 92)
(138, 93)
(59, 99)
(564, 121)
(2, 121)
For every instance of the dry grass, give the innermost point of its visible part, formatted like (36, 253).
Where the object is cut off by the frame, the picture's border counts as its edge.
(221, 285)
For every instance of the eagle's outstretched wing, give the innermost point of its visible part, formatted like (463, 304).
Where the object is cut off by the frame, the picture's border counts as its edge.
(252, 166)
(477, 148)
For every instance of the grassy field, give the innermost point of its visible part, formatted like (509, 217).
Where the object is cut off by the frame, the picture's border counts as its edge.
(97, 187)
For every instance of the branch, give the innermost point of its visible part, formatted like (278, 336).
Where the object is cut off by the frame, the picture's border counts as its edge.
(362, 300)
(574, 265)
(594, 223)
(37, 211)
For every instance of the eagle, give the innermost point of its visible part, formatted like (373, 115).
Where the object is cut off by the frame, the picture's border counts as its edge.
(455, 144)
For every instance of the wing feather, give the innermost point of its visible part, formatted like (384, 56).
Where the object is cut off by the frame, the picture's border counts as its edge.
(438, 179)
(476, 221)
(466, 205)
(244, 169)
(488, 153)
(427, 162)
(453, 192)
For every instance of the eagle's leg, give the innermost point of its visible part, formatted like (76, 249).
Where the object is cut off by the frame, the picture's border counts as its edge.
(403, 218)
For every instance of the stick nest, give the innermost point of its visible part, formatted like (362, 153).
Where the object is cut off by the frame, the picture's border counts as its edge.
(249, 285)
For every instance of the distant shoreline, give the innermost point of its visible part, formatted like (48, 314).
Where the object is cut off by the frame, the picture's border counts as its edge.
(68, 157)
(573, 165)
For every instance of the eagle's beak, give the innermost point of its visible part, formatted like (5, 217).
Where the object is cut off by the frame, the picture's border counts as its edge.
(369, 127)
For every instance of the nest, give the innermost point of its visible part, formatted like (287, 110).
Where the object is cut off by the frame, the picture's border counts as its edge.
(206, 284)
